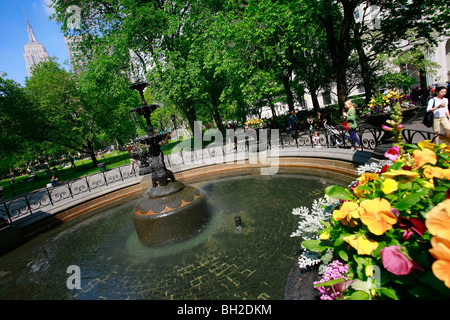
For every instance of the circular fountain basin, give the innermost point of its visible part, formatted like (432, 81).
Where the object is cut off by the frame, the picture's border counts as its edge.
(219, 262)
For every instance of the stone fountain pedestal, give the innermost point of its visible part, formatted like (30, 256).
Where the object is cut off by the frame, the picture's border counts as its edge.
(170, 211)
(170, 214)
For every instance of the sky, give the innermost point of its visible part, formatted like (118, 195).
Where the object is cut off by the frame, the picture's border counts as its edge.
(14, 36)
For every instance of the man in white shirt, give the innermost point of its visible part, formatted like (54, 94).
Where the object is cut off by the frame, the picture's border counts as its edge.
(439, 106)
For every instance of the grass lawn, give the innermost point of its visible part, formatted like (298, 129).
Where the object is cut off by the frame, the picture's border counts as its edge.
(24, 184)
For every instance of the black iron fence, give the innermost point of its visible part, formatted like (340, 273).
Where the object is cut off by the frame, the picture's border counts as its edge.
(30, 203)
(370, 138)
(33, 202)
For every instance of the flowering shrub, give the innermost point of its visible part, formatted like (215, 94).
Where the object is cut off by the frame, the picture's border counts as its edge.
(394, 219)
(383, 104)
(254, 123)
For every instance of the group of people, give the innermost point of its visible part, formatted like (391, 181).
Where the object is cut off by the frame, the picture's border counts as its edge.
(421, 95)
(349, 115)
(438, 104)
(293, 122)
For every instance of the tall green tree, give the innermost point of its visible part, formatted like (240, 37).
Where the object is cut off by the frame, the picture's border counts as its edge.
(14, 106)
(72, 111)
(391, 27)
(166, 34)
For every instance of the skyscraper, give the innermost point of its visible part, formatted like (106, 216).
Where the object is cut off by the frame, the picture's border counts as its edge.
(35, 52)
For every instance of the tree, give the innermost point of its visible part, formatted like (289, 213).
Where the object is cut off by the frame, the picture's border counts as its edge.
(411, 61)
(391, 27)
(14, 106)
(72, 111)
(168, 33)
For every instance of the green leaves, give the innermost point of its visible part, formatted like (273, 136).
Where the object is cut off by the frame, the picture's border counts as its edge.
(338, 192)
(315, 245)
(329, 283)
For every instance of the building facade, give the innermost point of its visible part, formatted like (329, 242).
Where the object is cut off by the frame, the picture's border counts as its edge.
(35, 52)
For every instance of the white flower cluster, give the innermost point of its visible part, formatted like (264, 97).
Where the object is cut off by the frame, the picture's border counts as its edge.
(310, 224)
(374, 167)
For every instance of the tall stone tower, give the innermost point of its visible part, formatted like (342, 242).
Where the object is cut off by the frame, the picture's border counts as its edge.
(35, 52)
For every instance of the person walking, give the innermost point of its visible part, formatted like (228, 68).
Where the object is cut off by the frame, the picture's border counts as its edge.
(293, 124)
(439, 106)
(351, 119)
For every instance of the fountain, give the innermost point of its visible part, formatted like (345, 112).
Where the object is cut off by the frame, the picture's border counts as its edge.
(170, 211)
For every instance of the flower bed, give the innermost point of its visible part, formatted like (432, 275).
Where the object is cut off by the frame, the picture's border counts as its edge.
(387, 236)
(383, 104)
(254, 123)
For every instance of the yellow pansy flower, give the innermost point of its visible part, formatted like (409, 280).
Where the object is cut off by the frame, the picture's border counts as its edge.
(324, 235)
(426, 144)
(376, 215)
(369, 270)
(438, 220)
(388, 186)
(406, 173)
(367, 177)
(362, 245)
(441, 267)
(347, 211)
(423, 156)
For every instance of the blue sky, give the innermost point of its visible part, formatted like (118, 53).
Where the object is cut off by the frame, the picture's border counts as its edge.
(14, 36)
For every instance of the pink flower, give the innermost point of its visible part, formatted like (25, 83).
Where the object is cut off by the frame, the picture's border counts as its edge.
(399, 127)
(393, 153)
(386, 128)
(396, 262)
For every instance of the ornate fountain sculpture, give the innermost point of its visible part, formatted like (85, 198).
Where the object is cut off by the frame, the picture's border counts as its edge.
(170, 211)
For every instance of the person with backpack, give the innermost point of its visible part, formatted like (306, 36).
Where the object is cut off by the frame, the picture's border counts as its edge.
(439, 106)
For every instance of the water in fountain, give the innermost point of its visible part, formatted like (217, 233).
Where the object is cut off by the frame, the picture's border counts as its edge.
(218, 262)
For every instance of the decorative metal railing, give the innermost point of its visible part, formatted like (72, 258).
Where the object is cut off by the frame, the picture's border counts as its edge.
(33, 202)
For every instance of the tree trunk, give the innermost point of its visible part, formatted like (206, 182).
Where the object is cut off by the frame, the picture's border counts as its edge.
(91, 152)
(364, 63)
(341, 87)
(287, 89)
(339, 45)
(217, 119)
(315, 101)
(272, 107)
(189, 112)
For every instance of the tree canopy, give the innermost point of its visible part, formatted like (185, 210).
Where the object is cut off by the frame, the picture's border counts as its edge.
(209, 60)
